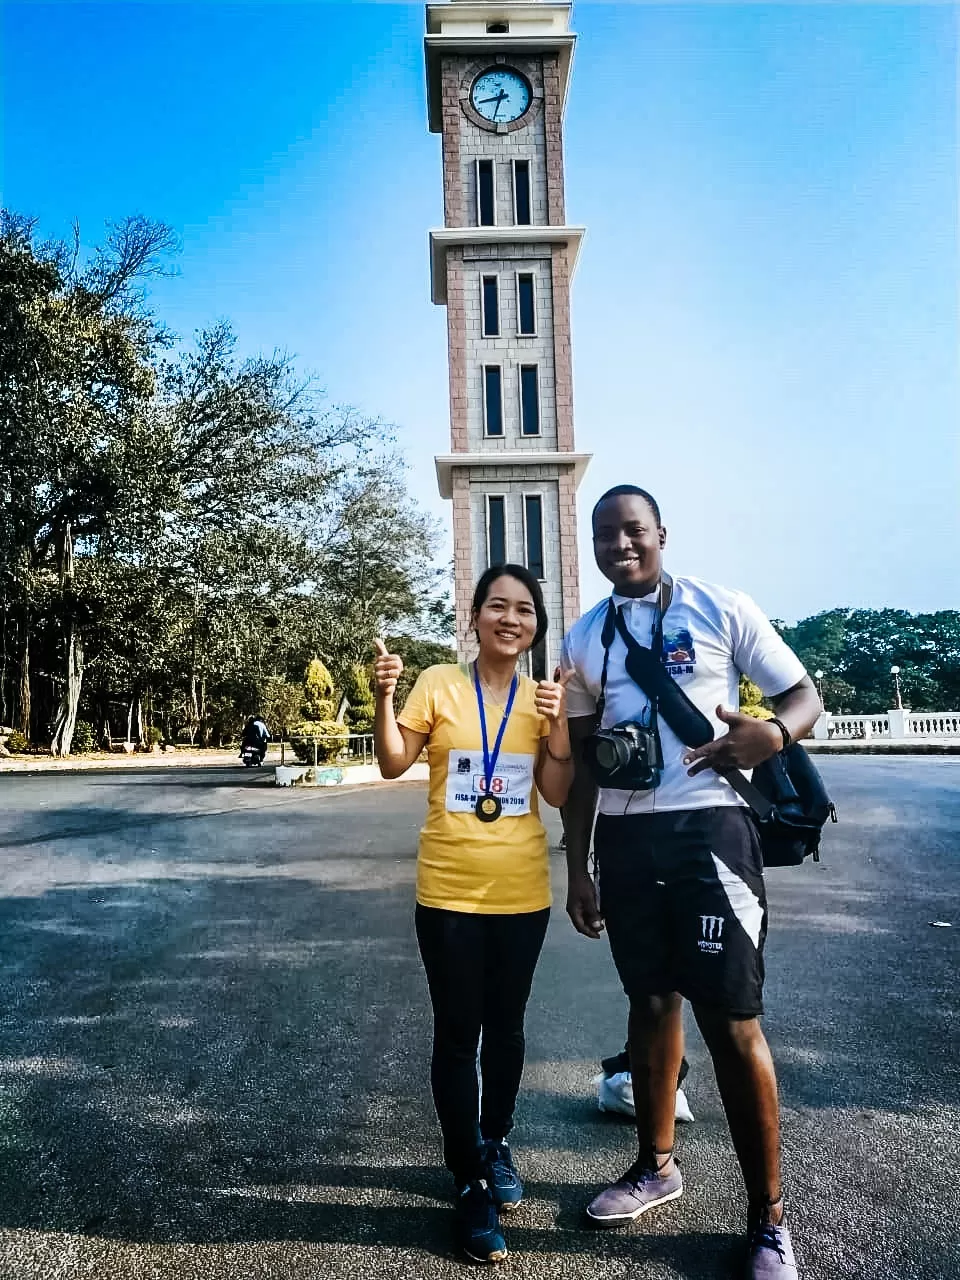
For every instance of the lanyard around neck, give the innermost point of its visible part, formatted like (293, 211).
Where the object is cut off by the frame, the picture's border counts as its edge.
(490, 758)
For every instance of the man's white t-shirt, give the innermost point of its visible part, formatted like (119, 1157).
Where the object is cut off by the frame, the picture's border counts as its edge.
(710, 636)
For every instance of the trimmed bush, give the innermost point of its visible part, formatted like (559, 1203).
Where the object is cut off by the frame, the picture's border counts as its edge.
(154, 736)
(83, 738)
(17, 743)
(332, 732)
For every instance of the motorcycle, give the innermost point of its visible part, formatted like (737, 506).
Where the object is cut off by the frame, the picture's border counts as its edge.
(252, 756)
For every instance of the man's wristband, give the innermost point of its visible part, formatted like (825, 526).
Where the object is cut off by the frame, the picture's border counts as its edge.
(784, 731)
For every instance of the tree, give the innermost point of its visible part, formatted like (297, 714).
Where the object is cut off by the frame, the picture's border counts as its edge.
(76, 381)
(855, 648)
(180, 530)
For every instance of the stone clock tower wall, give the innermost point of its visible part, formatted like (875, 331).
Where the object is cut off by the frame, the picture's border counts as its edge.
(513, 488)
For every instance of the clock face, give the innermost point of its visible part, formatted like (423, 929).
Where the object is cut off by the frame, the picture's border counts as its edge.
(500, 96)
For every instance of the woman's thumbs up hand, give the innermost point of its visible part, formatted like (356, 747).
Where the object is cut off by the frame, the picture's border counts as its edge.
(387, 669)
(551, 695)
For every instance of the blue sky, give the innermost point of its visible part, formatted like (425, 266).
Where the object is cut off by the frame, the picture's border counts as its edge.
(766, 322)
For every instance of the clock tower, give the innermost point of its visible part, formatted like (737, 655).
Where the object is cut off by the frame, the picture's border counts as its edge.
(497, 79)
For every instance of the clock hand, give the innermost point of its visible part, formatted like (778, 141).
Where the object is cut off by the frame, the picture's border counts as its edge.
(484, 101)
(500, 98)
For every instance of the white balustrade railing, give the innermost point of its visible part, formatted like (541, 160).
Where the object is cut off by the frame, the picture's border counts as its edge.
(894, 726)
(933, 724)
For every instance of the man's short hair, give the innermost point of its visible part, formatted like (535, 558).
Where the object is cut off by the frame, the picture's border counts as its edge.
(622, 490)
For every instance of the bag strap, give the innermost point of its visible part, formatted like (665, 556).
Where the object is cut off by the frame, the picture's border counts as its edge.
(613, 622)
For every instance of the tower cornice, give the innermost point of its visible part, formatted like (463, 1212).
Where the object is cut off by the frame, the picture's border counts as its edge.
(444, 238)
(516, 458)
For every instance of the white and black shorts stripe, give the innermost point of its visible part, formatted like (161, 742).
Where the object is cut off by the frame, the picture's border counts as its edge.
(683, 898)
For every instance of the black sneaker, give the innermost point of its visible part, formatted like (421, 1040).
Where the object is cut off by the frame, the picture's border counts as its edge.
(501, 1174)
(478, 1227)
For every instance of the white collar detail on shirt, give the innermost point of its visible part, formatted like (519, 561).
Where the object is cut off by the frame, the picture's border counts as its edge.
(652, 598)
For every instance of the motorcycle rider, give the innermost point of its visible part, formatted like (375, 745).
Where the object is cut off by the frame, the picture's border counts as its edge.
(255, 735)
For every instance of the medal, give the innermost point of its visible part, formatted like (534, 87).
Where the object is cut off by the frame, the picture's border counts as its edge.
(489, 807)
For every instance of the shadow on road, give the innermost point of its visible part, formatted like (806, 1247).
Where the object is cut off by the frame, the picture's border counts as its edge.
(238, 1052)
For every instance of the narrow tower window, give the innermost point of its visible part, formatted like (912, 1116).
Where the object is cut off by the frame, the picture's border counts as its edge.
(526, 305)
(496, 530)
(492, 400)
(533, 532)
(491, 306)
(529, 400)
(521, 192)
(486, 203)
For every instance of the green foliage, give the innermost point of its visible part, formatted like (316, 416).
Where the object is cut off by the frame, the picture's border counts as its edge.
(83, 738)
(359, 694)
(417, 655)
(752, 701)
(17, 744)
(317, 691)
(181, 529)
(329, 735)
(153, 736)
(855, 649)
(281, 702)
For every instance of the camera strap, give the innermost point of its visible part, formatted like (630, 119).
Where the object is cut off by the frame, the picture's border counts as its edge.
(667, 698)
(615, 622)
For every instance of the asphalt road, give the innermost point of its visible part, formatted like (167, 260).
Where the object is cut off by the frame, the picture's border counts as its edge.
(214, 1035)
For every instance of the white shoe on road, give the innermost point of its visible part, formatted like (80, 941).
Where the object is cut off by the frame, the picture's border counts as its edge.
(615, 1093)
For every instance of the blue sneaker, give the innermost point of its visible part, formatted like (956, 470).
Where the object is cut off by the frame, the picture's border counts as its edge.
(478, 1227)
(501, 1174)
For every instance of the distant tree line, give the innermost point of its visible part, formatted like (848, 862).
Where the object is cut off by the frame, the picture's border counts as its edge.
(181, 531)
(855, 649)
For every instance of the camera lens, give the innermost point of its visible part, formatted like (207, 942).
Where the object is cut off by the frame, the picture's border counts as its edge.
(608, 754)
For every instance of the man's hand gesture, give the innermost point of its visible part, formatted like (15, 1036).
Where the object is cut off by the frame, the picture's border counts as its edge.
(387, 669)
(748, 743)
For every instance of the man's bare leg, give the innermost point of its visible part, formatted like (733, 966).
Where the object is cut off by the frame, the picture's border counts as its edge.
(748, 1089)
(655, 1038)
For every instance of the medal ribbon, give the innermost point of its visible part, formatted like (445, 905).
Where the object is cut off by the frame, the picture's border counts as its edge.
(490, 759)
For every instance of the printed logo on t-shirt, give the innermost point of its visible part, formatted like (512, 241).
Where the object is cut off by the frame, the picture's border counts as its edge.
(679, 655)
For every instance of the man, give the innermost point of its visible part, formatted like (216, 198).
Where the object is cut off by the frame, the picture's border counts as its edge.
(680, 873)
(256, 735)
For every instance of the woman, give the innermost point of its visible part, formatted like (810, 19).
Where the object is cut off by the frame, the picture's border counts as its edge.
(493, 739)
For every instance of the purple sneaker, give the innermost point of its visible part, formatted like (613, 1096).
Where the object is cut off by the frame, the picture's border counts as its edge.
(770, 1254)
(638, 1190)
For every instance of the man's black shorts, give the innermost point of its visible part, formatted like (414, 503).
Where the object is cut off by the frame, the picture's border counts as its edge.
(683, 898)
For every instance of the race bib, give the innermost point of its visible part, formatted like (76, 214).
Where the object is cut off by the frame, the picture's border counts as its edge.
(512, 783)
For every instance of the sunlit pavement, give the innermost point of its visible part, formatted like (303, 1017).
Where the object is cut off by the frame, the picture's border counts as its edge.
(214, 1037)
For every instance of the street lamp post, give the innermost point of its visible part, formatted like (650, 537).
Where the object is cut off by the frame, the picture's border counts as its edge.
(895, 672)
(818, 676)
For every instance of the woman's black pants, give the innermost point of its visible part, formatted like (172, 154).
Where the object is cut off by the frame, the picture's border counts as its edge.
(479, 970)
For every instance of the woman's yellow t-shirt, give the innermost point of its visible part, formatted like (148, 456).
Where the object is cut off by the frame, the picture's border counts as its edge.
(495, 868)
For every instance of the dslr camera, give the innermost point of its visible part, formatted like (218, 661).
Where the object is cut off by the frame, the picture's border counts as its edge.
(627, 756)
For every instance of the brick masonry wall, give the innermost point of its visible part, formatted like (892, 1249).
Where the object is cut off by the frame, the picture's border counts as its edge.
(454, 211)
(528, 143)
(462, 556)
(541, 143)
(457, 348)
(562, 350)
(553, 139)
(513, 483)
(510, 350)
(569, 560)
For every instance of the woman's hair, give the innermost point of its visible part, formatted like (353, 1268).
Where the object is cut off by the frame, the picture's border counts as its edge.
(522, 574)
